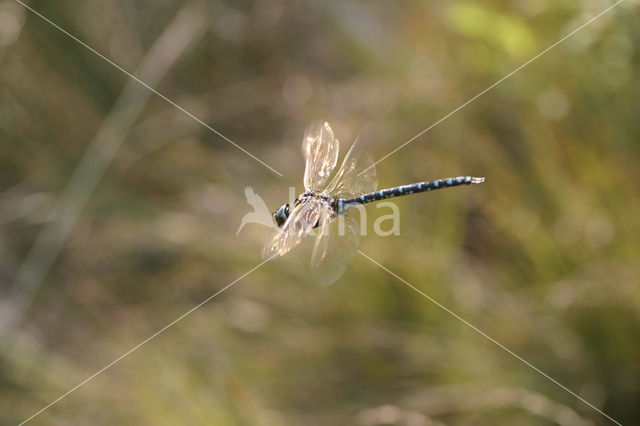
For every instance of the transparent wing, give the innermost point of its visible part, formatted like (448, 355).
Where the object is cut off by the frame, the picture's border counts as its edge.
(299, 223)
(320, 149)
(337, 241)
(357, 174)
(335, 247)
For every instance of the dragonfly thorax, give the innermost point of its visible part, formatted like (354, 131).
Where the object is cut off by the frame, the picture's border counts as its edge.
(281, 214)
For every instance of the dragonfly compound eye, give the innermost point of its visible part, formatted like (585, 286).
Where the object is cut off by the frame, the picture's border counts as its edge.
(280, 216)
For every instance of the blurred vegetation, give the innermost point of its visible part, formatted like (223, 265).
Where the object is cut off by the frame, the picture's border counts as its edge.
(544, 256)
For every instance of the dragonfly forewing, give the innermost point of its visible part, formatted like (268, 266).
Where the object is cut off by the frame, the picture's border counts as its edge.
(320, 149)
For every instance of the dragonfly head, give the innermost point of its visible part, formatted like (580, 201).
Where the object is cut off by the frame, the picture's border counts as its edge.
(280, 216)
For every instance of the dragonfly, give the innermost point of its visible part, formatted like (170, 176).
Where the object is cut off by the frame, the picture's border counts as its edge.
(326, 199)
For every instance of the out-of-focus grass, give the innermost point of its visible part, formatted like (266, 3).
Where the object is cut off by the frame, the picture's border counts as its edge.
(543, 256)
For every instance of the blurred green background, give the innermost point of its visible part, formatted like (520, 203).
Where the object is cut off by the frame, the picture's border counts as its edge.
(544, 256)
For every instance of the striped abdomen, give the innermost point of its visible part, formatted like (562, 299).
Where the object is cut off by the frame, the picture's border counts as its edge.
(410, 189)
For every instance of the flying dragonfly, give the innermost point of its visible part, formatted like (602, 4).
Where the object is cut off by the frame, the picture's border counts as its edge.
(325, 200)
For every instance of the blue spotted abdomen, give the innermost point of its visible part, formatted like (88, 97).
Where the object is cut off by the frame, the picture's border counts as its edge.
(412, 189)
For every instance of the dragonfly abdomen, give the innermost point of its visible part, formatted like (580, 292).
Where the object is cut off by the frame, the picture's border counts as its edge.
(414, 188)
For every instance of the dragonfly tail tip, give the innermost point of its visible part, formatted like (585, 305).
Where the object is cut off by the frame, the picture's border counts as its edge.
(477, 179)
